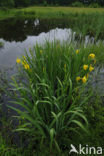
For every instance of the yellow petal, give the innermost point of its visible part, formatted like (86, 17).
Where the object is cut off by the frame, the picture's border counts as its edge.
(92, 55)
(18, 60)
(84, 79)
(91, 68)
(85, 67)
(77, 51)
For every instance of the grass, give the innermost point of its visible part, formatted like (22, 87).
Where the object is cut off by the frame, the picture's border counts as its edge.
(47, 12)
(52, 11)
(86, 21)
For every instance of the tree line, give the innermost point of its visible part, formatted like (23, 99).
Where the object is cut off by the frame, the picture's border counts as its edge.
(24, 3)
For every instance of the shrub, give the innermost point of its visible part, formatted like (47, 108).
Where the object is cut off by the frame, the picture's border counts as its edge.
(45, 3)
(7, 3)
(77, 4)
(94, 5)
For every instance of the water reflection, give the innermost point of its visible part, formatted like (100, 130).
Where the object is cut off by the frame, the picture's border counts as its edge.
(11, 50)
(19, 29)
(20, 34)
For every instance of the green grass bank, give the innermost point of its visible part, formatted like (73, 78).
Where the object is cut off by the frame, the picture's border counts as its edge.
(87, 21)
(47, 12)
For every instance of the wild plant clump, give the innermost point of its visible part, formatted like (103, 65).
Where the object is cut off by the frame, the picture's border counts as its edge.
(54, 77)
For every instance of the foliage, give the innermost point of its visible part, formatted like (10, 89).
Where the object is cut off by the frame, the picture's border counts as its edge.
(77, 4)
(95, 116)
(50, 95)
(94, 5)
(22, 3)
(7, 3)
(39, 92)
(45, 3)
(94, 112)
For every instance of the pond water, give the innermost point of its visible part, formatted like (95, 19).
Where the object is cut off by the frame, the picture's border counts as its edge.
(19, 35)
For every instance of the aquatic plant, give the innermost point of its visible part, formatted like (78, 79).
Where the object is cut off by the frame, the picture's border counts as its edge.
(50, 93)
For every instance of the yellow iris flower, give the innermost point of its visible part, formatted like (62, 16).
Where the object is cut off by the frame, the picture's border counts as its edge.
(26, 66)
(84, 79)
(85, 67)
(91, 68)
(18, 60)
(92, 56)
(77, 51)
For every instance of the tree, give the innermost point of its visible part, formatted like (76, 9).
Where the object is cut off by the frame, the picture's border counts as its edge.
(22, 3)
(32, 2)
(7, 3)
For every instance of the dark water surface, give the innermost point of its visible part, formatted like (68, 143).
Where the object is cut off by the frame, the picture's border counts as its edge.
(19, 35)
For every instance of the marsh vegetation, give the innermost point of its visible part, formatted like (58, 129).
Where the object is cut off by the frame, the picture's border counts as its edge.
(52, 94)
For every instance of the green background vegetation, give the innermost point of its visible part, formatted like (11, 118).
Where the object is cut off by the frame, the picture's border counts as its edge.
(54, 86)
(75, 3)
(88, 21)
